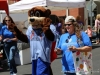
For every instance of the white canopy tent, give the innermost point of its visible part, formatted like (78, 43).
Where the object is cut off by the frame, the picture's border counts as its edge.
(25, 5)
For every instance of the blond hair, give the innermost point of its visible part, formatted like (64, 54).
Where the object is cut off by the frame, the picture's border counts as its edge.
(98, 16)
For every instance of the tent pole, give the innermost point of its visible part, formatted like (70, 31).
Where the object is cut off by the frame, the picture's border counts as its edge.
(67, 12)
(1, 17)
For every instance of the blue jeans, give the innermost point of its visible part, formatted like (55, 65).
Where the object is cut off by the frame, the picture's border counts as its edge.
(10, 50)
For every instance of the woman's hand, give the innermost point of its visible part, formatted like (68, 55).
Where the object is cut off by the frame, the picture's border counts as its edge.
(81, 49)
(10, 39)
(5, 40)
(72, 48)
(14, 39)
(58, 51)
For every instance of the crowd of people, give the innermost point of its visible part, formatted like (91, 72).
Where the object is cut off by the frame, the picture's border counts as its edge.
(94, 32)
(66, 33)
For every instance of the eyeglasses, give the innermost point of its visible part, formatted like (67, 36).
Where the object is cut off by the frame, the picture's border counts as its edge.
(7, 20)
(68, 24)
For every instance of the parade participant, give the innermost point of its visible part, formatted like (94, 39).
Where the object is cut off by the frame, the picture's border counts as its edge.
(69, 44)
(41, 35)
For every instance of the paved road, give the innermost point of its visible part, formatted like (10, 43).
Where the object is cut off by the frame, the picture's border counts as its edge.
(56, 66)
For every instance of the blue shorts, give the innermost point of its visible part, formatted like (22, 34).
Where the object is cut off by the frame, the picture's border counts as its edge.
(40, 67)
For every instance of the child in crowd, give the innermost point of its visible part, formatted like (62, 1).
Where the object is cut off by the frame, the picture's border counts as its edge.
(89, 32)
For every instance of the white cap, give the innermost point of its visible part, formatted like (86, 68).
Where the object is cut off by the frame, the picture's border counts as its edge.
(69, 17)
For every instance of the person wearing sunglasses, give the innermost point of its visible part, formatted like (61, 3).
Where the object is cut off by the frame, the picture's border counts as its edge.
(68, 45)
(10, 43)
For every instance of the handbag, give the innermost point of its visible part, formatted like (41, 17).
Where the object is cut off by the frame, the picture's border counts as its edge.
(82, 61)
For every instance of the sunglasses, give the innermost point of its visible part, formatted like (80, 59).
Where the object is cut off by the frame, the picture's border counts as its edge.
(68, 24)
(7, 20)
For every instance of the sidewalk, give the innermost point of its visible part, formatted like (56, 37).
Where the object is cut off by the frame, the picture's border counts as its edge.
(26, 69)
(22, 70)
(56, 65)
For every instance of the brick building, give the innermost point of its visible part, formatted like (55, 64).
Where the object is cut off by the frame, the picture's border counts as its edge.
(83, 12)
(74, 12)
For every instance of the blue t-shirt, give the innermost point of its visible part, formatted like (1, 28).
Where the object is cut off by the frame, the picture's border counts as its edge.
(67, 58)
(6, 33)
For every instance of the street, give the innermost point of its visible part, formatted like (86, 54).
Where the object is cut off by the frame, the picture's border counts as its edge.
(56, 66)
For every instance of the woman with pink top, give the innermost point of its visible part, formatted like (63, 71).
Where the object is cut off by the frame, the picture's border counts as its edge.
(89, 32)
(97, 28)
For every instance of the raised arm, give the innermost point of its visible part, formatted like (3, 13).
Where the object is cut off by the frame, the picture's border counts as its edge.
(46, 29)
(20, 35)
